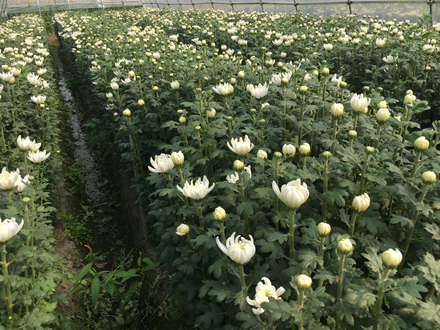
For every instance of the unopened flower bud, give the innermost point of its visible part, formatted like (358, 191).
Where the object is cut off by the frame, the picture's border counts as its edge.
(361, 203)
(303, 89)
(289, 149)
(324, 229)
(304, 149)
(141, 102)
(178, 158)
(382, 104)
(211, 113)
(219, 214)
(126, 112)
(261, 154)
(198, 128)
(421, 143)
(337, 110)
(369, 150)
(303, 282)
(352, 133)
(392, 258)
(26, 200)
(182, 120)
(325, 71)
(277, 154)
(382, 115)
(345, 246)
(429, 177)
(327, 154)
(182, 230)
(238, 165)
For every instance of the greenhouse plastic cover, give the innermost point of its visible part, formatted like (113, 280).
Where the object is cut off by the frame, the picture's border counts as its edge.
(387, 10)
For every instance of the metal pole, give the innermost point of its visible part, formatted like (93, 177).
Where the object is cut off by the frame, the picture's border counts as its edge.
(430, 3)
(193, 5)
(349, 2)
(296, 5)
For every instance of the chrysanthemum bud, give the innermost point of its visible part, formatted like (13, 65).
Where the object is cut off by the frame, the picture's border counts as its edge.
(141, 102)
(361, 202)
(352, 133)
(219, 214)
(369, 150)
(325, 71)
(337, 110)
(382, 104)
(345, 246)
(261, 154)
(182, 230)
(238, 165)
(429, 177)
(324, 229)
(382, 115)
(277, 154)
(421, 143)
(126, 112)
(303, 282)
(289, 149)
(182, 120)
(303, 89)
(392, 258)
(178, 158)
(327, 154)
(304, 149)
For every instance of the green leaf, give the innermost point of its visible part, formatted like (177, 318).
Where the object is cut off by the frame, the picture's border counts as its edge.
(409, 286)
(309, 259)
(360, 295)
(345, 311)
(375, 262)
(95, 287)
(246, 207)
(282, 309)
(217, 267)
(391, 322)
(250, 321)
(79, 277)
(432, 270)
(429, 312)
(433, 229)
(277, 236)
(324, 275)
(378, 177)
(335, 196)
(402, 220)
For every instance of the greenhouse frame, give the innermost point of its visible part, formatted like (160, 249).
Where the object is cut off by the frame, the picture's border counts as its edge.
(386, 10)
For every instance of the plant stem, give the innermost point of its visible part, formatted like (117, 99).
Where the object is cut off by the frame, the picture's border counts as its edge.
(379, 301)
(415, 218)
(222, 231)
(202, 229)
(378, 135)
(353, 222)
(242, 280)
(335, 132)
(364, 170)
(325, 181)
(416, 162)
(301, 119)
(301, 305)
(8, 297)
(341, 277)
(321, 254)
(292, 233)
(243, 200)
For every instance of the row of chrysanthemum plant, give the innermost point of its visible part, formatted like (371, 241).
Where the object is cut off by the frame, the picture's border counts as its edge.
(364, 170)
(29, 117)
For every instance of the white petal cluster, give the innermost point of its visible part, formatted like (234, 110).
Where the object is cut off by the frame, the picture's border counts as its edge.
(223, 89)
(7, 179)
(26, 144)
(361, 202)
(9, 228)
(390, 59)
(359, 103)
(161, 164)
(292, 194)
(392, 258)
(38, 156)
(238, 248)
(20, 184)
(38, 99)
(259, 91)
(262, 293)
(241, 147)
(198, 190)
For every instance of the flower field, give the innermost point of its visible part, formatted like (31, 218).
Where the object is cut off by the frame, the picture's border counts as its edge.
(286, 163)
